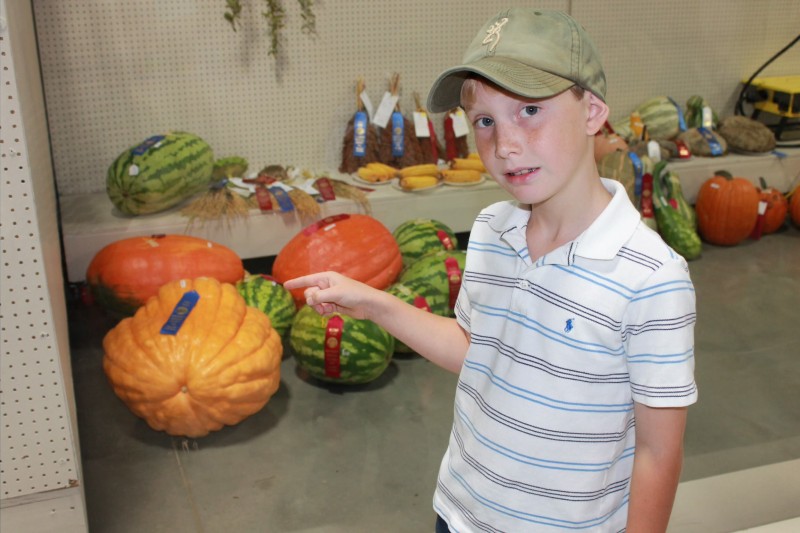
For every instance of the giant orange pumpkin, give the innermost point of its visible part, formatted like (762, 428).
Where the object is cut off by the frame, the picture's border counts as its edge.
(727, 209)
(357, 246)
(777, 207)
(124, 274)
(794, 206)
(217, 367)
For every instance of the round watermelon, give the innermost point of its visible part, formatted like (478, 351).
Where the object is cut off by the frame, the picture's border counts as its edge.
(338, 348)
(420, 236)
(413, 295)
(267, 295)
(437, 276)
(159, 172)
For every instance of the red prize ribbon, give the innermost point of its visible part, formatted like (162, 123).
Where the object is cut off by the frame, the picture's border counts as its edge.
(327, 221)
(444, 238)
(421, 303)
(333, 344)
(325, 189)
(453, 279)
(263, 199)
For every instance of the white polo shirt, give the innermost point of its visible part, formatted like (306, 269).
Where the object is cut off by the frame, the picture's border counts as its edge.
(543, 432)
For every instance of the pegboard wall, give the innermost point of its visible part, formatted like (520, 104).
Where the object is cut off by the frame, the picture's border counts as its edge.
(38, 447)
(115, 75)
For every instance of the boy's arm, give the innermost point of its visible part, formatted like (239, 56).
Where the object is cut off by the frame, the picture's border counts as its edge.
(439, 339)
(656, 467)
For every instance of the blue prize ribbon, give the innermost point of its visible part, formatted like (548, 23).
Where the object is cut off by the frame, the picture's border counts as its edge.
(360, 134)
(283, 198)
(142, 148)
(681, 120)
(638, 172)
(713, 144)
(398, 135)
(180, 312)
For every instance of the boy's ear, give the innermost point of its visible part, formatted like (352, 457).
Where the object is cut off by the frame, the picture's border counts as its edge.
(598, 114)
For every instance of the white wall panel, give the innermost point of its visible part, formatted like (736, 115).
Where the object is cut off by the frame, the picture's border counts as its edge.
(38, 430)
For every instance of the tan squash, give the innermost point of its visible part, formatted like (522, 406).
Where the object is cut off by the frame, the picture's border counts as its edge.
(221, 366)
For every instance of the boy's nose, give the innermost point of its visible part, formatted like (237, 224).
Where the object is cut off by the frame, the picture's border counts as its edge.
(506, 141)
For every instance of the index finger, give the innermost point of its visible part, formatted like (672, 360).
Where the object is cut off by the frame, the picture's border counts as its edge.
(311, 280)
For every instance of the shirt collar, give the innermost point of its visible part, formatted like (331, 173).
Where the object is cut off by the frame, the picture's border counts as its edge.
(603, 239)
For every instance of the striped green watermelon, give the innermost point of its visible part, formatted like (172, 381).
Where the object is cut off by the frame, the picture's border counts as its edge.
(420, 236)
(660, 116)
(338, 348)
(159, 173)
(437, 276)
(414, 296)
(269, 296)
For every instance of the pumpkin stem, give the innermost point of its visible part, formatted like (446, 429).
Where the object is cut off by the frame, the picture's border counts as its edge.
(763, 183)
(724, 173)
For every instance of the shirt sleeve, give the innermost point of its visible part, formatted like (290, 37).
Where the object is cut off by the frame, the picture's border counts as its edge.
(658, 334)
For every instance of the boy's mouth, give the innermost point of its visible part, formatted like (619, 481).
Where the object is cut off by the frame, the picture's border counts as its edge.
(520, 172)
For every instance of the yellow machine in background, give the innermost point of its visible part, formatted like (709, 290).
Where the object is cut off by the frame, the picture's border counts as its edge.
(777, 95)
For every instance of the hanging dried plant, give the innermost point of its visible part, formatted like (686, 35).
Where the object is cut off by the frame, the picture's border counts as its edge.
(309, 18)
(234, 12)
(275, 16)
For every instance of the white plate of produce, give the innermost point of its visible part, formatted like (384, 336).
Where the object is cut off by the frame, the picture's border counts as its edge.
(396, 185)
(465, 183)
(362, 181)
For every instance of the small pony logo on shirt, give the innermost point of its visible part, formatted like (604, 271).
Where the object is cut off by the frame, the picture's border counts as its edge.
(569, 325)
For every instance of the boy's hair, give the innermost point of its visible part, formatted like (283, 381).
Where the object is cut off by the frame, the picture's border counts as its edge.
(469, 85)
(530, 52)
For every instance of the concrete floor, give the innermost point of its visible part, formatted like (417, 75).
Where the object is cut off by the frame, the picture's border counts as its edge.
(319, 458)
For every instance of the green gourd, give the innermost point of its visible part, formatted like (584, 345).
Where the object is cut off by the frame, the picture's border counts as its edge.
(676, 230)
(671, 184)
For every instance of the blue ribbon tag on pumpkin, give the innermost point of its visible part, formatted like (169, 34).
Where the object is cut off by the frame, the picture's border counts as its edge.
(681, 119)
(638, 173)
(360, 134)
(180, 313)
(146, 144)
(713, 144)
(398, 134)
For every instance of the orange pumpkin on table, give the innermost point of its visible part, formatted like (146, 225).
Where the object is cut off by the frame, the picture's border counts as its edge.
(777, 207)
(794, 206)
(727, 209)
(216, 368)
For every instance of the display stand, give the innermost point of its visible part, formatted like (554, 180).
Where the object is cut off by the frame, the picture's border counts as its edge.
(90, 222)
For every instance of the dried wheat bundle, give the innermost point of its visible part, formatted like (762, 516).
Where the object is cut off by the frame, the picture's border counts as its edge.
(351, 161)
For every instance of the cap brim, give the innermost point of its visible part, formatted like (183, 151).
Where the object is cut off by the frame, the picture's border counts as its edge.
(514, 76)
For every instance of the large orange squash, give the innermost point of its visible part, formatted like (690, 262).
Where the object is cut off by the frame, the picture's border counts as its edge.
(777, 207)
(124, 274)
(727, 209)
(794, 206)
(216, 368)
(357, 246)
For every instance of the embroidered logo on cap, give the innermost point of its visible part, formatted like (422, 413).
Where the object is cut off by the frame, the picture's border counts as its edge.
(493, 34)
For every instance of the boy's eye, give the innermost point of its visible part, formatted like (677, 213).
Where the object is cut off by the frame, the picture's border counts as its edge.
(530, 110)
(483, 122)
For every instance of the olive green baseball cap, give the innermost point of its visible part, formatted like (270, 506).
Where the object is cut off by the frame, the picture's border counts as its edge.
(531, 52)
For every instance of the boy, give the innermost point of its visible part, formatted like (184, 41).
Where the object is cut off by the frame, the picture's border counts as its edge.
(574, 319)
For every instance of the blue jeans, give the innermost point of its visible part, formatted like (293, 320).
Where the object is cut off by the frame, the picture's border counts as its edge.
(441, 525)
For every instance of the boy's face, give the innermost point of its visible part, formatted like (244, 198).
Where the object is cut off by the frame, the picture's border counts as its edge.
(535, 148)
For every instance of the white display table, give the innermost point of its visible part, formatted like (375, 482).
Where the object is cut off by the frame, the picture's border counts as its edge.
(90, 221)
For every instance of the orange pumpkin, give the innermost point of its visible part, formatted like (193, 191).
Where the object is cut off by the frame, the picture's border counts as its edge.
(794, 206)
(124, 274)
(727, 209)
(777, 207)
(220, 366)
(357, 246)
